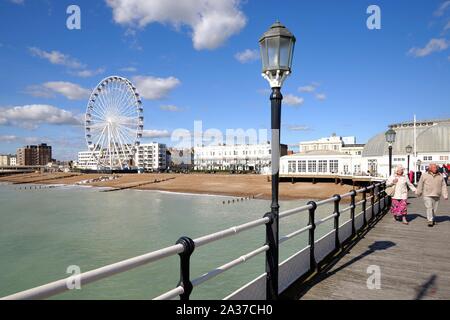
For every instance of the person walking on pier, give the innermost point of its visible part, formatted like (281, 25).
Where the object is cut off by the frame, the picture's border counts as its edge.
(432, 186)
(400, 184)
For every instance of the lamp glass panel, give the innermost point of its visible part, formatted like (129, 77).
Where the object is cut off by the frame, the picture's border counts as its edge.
(285, 50)
(273, 51)
(263, 47)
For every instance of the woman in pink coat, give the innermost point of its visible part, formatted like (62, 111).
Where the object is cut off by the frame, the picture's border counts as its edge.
(399, 206)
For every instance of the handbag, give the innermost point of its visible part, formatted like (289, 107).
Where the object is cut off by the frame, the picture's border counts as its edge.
(390, 190)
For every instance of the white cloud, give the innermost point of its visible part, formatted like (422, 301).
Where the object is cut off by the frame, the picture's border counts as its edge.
(58, 58)
(69, 90)
(171, 108)
(8, 139)
(434, 45)
(292, 100)
(212, 21)
(298, 128)
(321, 96)
(31, 116)
(17, 1)
(309, 88)
(442, 8)
(156, 134)
(128, 69)
(247, 56)
(153, 88)
(88, 73)
(447, 26)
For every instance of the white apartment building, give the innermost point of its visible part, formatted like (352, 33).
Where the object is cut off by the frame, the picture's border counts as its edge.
(335, 143)
(253, 157)
(148, 157)
(8, 160)
(87, 160)
(151, 156)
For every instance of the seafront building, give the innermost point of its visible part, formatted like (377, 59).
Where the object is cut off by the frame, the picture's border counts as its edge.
(151, 156)
(332, 156)
(34, 155)
(7, 160)
(148, 157)
(87, 160)
(245, 157)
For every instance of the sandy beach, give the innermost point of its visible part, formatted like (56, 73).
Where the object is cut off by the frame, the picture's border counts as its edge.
(256, 186)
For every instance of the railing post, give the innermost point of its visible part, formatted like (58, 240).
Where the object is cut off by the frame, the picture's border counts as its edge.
(372, 201)
(271, 258)
(364, 206)
(352, 212)
(185, 257)
(312, 223)
(336, 221)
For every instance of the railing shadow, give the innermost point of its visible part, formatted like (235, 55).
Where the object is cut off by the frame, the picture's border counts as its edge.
(437, 219)
(440, 219)
(326, 273)
(414, 216)
(427, 288)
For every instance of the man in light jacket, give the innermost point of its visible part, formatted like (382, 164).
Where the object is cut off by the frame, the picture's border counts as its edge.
(432, 186)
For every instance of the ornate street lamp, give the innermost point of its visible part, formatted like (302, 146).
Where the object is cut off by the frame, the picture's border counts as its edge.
(277, 49)
(409, 150)
(390, 139)
(418, 173)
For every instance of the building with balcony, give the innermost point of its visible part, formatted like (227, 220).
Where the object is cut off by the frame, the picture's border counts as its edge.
(151, 156)
(244, 157)
(34, 155)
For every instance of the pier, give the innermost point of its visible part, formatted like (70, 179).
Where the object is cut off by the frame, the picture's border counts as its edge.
(413, 260)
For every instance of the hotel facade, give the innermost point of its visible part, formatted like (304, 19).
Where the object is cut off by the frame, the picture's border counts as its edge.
(245, 157)
(148, 157)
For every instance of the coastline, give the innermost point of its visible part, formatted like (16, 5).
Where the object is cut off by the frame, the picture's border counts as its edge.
(238, 186)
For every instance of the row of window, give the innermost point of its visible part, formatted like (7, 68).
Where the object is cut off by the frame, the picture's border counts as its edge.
(313, 166)
(234, 153)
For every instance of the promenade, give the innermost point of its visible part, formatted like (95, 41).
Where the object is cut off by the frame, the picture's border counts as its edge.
(414, 261)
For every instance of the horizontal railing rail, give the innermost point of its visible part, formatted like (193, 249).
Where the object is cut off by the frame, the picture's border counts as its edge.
(185, 246)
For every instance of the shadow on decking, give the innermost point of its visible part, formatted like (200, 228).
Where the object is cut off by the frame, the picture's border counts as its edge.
(427, 289)
(326, 273)
(437, 219)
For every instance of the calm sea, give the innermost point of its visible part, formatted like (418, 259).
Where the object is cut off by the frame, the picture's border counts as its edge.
(44, 231)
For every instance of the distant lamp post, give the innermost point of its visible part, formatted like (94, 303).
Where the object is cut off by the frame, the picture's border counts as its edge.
(277, 49)
(419, 164)
(409, 150)
(390, 139)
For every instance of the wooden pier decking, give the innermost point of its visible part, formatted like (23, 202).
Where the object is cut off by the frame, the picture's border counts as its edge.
(414, 261)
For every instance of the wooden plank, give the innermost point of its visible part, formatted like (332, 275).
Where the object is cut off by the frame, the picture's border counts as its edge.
(414, 261)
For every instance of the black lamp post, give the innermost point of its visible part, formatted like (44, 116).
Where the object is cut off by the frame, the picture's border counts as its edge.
(390, 139)
(408, 152)
(277, 48)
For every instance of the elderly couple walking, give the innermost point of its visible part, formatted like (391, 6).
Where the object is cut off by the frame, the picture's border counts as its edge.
(431, 186)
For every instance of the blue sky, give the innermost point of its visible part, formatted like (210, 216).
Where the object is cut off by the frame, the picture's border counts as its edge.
(346, 78)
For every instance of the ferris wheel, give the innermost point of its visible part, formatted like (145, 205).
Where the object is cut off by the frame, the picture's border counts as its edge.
(114, 123)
